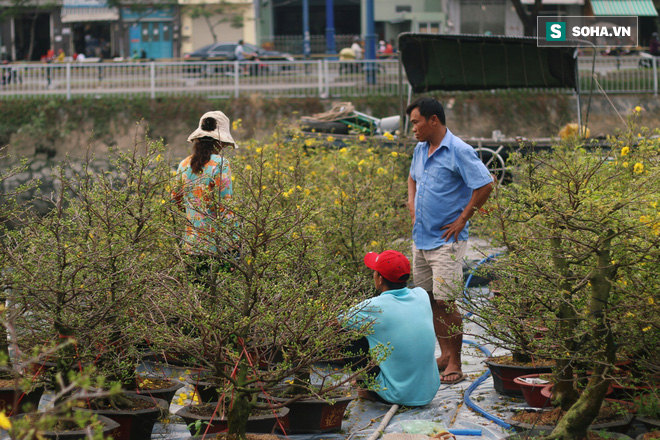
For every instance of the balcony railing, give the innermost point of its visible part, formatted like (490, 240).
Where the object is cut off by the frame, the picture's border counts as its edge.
(317, 78)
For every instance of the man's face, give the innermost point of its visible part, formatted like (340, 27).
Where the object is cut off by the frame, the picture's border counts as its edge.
(422, 127)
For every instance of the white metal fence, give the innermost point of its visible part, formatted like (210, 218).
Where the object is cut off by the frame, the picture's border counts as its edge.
(325, 78)
(322, 78)
(636, 73)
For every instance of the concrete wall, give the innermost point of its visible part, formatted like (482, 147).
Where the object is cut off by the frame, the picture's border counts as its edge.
(470, 116)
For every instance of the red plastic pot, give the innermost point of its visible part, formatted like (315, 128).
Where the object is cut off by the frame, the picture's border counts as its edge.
(532, 391)
(503, 376)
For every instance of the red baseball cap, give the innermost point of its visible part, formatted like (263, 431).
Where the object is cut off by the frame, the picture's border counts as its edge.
(392, 265)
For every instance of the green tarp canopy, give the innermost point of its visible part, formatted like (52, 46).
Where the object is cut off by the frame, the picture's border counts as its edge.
(481, 62)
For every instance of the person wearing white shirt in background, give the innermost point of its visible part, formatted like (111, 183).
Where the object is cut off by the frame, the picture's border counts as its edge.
(357, 48)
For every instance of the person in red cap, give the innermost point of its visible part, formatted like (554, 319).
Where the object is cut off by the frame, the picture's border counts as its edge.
(400, 324)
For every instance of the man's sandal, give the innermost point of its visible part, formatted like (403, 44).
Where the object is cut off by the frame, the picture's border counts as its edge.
(460, 374)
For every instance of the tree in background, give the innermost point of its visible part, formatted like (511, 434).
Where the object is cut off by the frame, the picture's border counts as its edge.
(528, 19)
(216, 14)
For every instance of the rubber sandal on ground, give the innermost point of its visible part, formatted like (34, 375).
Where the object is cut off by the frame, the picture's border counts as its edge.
(460, 374)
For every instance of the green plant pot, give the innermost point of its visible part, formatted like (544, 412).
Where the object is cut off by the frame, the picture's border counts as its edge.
(650, 424)
(315, 415)
(110, 428)
(257, 424)
(617, 426)
(503, 376)
(135, 424)
(166, 394)
(25, 401)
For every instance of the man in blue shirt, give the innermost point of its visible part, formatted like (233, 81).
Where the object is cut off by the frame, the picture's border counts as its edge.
(400, 321)
(446, 185)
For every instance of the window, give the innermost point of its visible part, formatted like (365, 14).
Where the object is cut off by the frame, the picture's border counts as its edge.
(145, 33)
(403, 8)
(481, 16)
(429, 28)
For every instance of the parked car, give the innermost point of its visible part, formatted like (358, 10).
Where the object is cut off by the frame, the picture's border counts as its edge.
(225, 52)
(255, 58)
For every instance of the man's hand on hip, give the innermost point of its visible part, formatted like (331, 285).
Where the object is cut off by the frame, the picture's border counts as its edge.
(453, 229)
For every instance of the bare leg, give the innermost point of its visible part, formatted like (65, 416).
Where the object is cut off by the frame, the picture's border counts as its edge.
(448, 325)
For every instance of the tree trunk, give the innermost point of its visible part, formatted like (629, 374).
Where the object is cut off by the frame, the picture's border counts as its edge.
(211, 28)
(564, 392)
(528, 20)
(238, 415)
(574, 424)
(33, 27)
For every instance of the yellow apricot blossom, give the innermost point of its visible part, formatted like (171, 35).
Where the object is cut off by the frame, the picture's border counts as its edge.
(5, 423)
(638, 168)
(625, 150)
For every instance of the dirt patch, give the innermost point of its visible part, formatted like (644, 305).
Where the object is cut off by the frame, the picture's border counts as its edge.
(551, 418)
(225, 436)
(508, 360)
(59, 425)
(7, 383)
(653, 435)
(121, 403)
(207, 409)
(153, 384)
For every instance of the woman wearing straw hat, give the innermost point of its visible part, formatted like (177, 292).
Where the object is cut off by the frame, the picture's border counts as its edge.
(202, 186)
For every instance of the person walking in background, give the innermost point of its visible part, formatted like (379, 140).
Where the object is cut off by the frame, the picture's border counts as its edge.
(654, 45)
(239, 51)
(357, 48)
(446, 185)
(203, 182)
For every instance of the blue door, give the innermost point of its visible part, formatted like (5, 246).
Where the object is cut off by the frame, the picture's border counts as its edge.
(153, 37)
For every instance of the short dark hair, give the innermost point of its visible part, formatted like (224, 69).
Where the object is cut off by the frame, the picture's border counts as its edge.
(391, 285)
(428, 107)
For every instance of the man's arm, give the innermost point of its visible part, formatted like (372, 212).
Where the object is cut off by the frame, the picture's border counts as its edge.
(479, 197)
(412, 190)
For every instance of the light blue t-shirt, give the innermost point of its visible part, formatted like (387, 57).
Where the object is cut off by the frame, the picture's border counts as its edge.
(403, 322)
(444, 185)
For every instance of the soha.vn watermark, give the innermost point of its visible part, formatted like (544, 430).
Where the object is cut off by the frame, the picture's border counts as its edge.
(600, 31)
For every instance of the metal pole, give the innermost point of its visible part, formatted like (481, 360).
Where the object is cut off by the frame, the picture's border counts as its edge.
(326, 75)
(68, 81)
(577, 89)
(306, 44)
(237, 72)
(152, 74)
(402, 108)
(655, 75)
(330, 47)
(370, 45)
(319, 70)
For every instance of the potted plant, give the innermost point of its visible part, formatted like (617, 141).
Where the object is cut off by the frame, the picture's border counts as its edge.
(277, 298)
(647, 410)
(581, 230)
(81, 270)
(531, 386)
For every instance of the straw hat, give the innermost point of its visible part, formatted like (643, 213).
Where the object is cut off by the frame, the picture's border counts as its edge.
(214, 125)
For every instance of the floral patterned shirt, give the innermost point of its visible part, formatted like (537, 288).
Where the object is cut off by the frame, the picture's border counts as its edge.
(194, 192)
